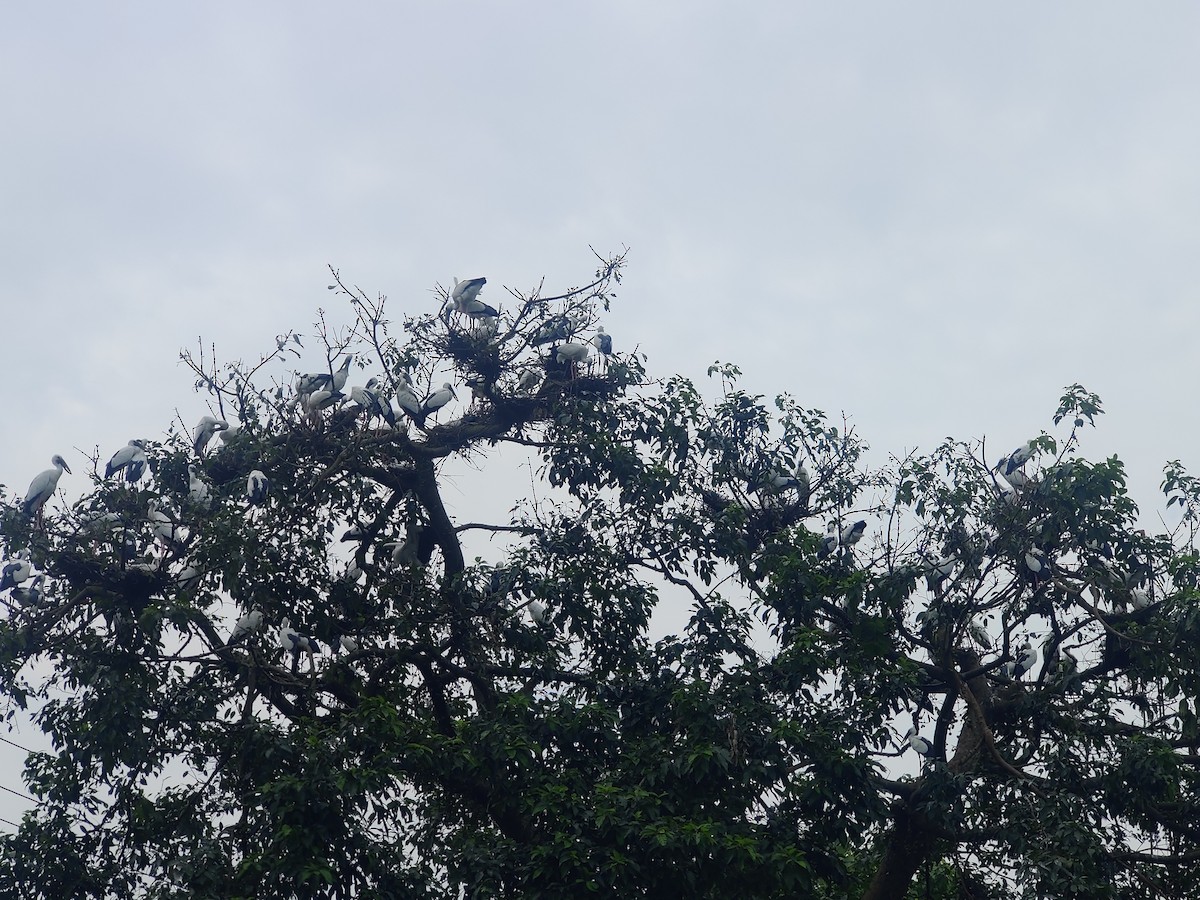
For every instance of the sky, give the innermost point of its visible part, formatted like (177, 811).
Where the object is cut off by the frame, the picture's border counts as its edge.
(931, 216)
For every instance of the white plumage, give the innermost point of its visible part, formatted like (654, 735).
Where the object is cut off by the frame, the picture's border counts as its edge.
(131, 459)
(918, 743)
(853, 533)
(204, 431)
(257, 487)
(248, 624)
(438, 399)
(537, 611)
(198, 492)
(15, 571)
(571, 352)
(43, 486)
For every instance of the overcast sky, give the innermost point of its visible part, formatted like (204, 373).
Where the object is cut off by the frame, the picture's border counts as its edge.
(932, 216)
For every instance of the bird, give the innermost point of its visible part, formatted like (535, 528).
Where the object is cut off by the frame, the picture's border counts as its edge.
(571, 353)
(1037, 567)
(227, 435)
(204, 431)
(1025, 660)
(776, 481)
(1140, 598)
(247, 625)
(346, 642)
(15, 571)
(308, 384)
(529, 380)
(465, 292)
(257, 487)
(198, 492)
(438, 399)
(602, 342)
(354, 533)
(188, 578)
(1018, 479)
(408, 401)
(853, 533)
(979, 634)
(166, 526)
(918, 743)
(131, 459)
(373, 404)
(555, 328)
(829, 540)
(537, 611)
(295, 643)
(1017, 458)
(321, 399)
(937, 573)
(30, 594)
(43, 486)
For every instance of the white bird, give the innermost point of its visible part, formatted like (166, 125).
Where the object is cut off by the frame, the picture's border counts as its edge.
(188, 578)
(43, 486)
(373, 405)
(204, 431)
(918, 743)
(408, 401)
(257, 487)
(198, 492)
(1018, 479)
(131, 458)
(537, 611)
(1140, 598)
(438, 399)
(1027, 658)
(853, 533)
(321, 399)
(295, 643)
(15, 571)
(465, 292)
(227, 435)
(937, 573)
(166, 526)
(529, 380)
(571, 352)
(30, 594)
(1017, 458)
(979, 634)
(602, 342)
(347, 643)
(309, 384)
(829, 540)
(556, 328)
(248, 624)
(1037, 566)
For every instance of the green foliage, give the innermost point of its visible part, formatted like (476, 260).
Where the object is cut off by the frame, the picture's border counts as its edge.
(516, 724)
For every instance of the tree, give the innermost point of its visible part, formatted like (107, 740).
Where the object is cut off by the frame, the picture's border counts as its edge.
(507, 726)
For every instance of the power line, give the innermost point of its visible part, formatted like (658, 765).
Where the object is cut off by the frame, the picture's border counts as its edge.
(15, 744)
(19, 794)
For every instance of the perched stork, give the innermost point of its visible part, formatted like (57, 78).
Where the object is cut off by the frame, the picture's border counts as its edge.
(166, 526)
(257, 488)
(1027, 657)
(198, 492)
(602, 342)
(131, 459)
(829, 541)
(15, 571)
(1037, 567)
(438, 399)
(464, 293)
(937, 573)
(571, 353)
(853, 533)
(30, 594)
(537, 611)
(247, 625)
(295, 643)
(43, 486)
(555, 328)
(529, 380)
(375, 406)
(310, 384)
(918, 743)
(1017, 458)
(205, 429)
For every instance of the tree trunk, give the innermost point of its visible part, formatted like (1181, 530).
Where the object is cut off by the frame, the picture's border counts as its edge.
(908, 846)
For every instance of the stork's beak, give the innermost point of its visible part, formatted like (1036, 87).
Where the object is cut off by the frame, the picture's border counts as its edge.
(66, 467)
